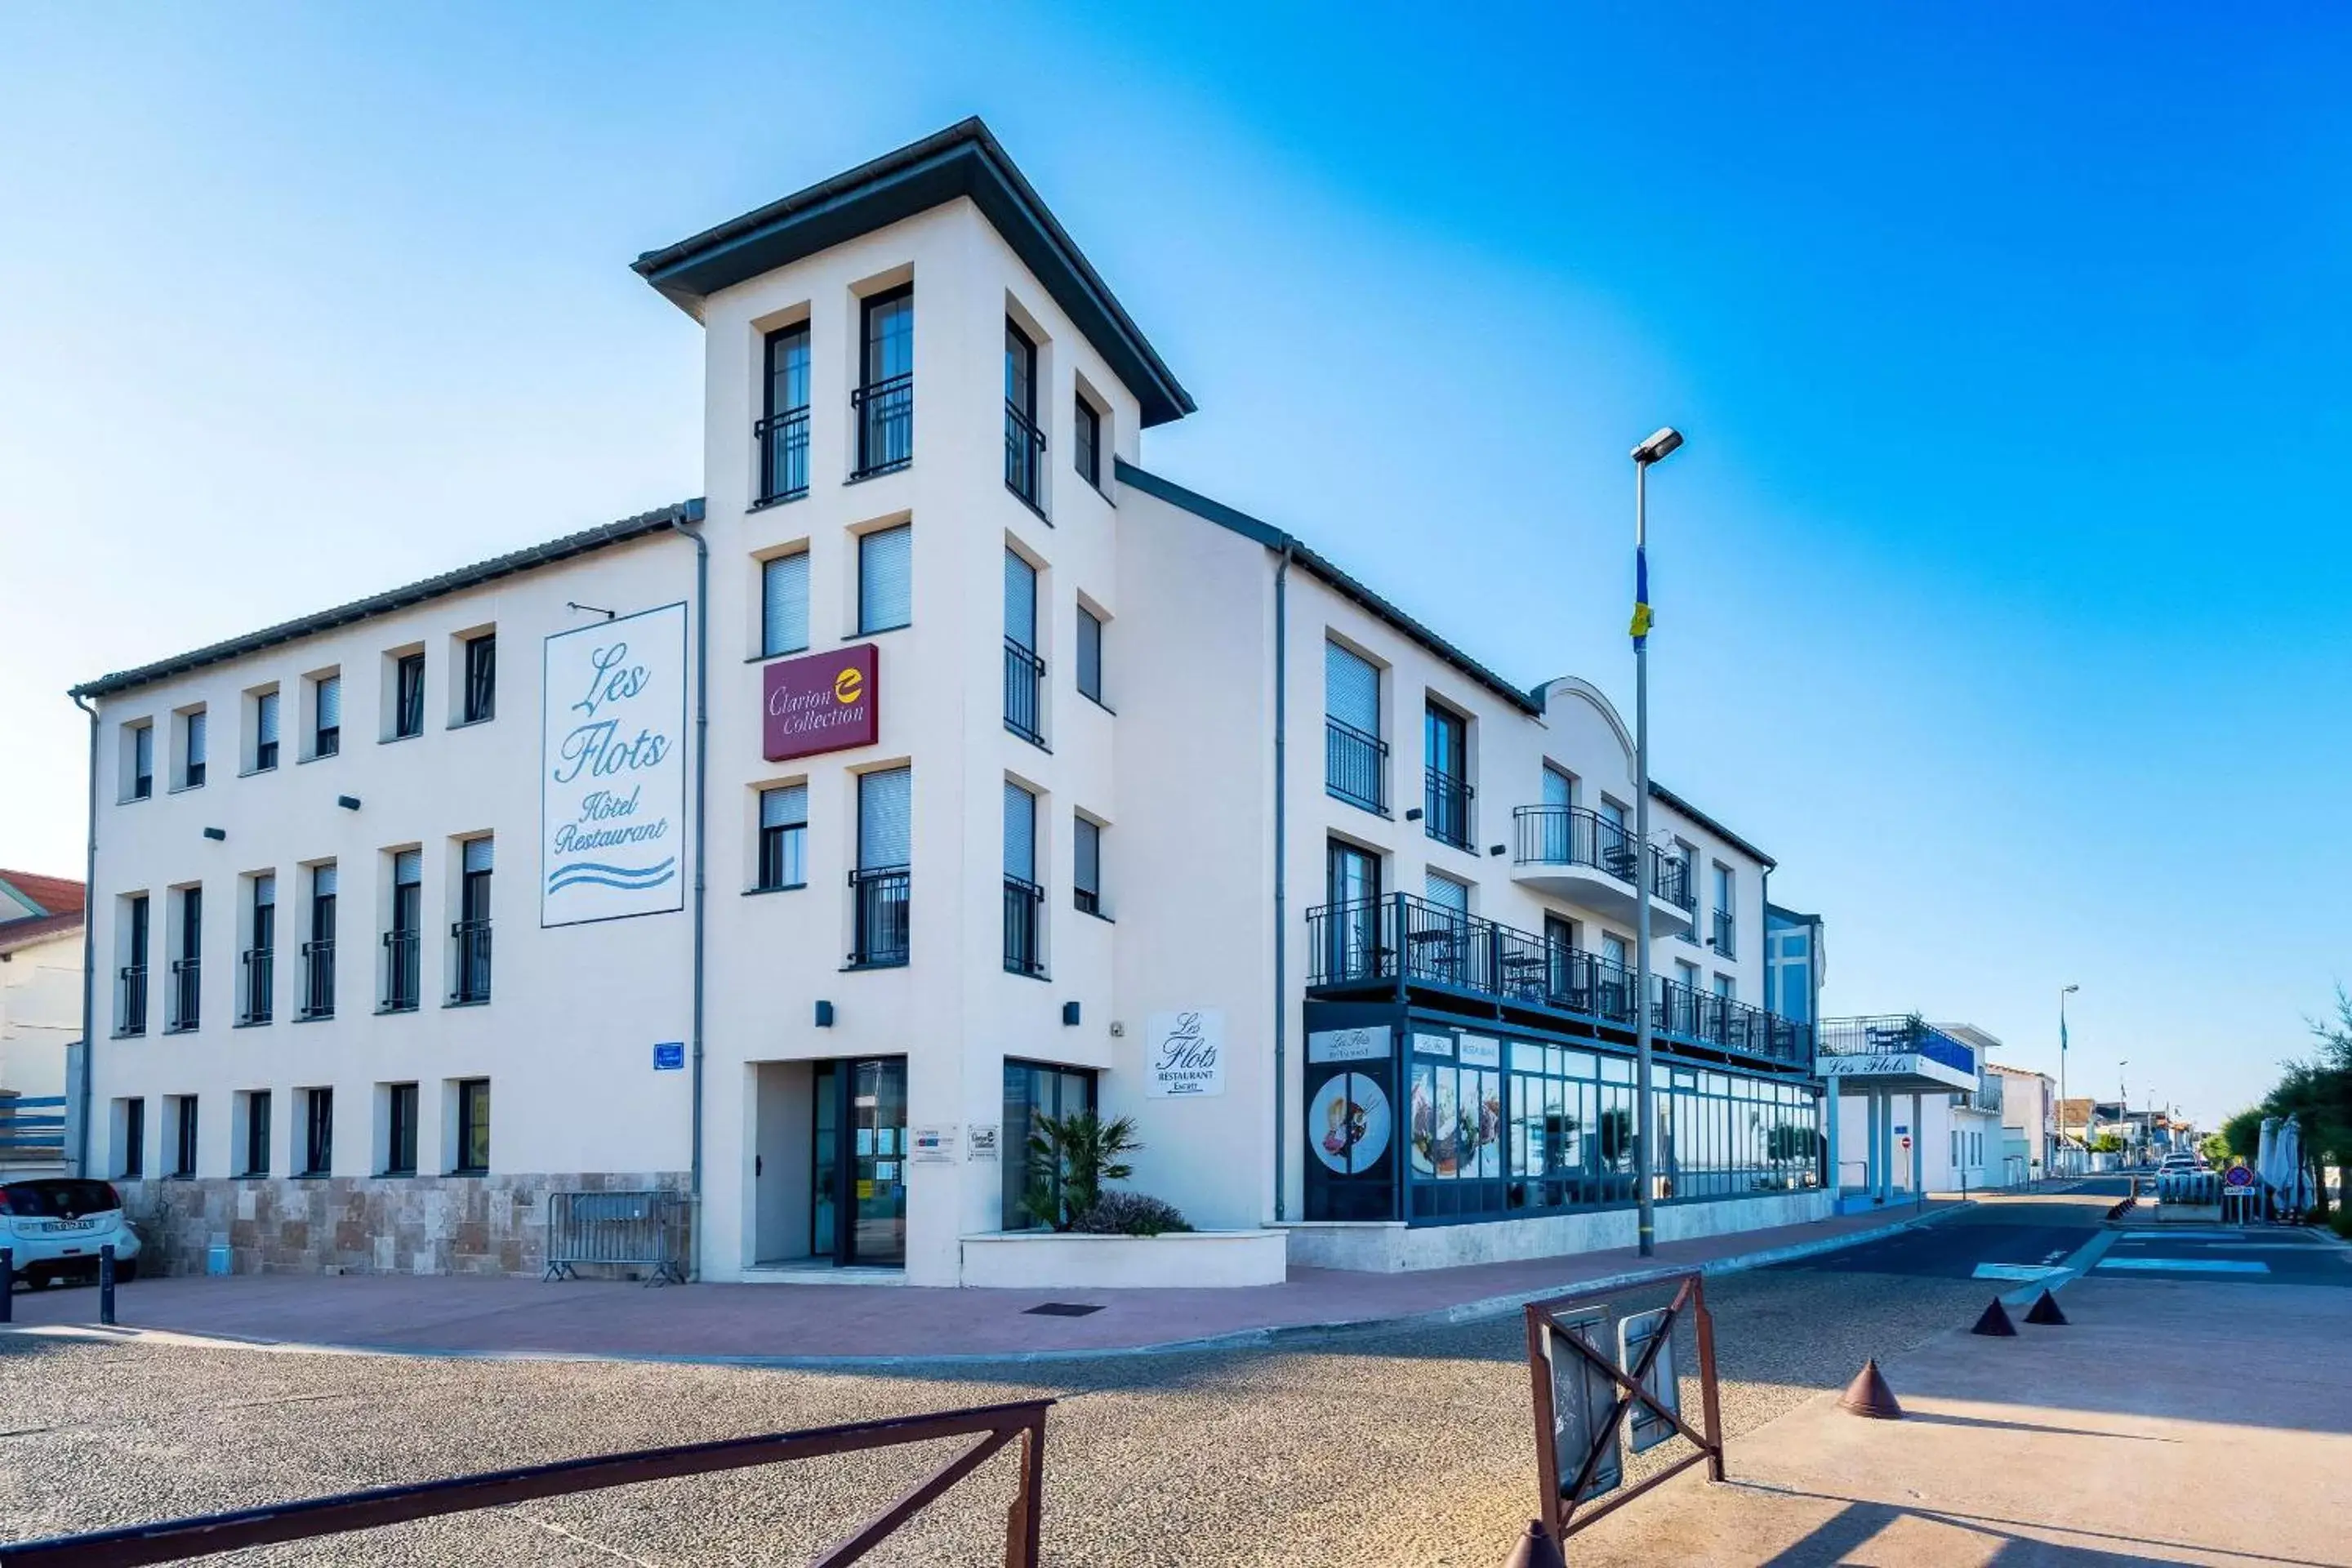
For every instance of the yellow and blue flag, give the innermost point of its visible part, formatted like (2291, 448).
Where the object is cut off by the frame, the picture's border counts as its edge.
(1641, 628)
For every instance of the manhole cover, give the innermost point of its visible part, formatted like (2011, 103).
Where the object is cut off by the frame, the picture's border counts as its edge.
(1063, 1310)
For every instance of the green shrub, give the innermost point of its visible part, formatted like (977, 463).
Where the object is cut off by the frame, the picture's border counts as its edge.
(1128, 1214)
(2341, 1223)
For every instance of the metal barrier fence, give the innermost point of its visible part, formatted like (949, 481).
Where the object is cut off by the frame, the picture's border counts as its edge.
(620, 1230)
(995, 1425)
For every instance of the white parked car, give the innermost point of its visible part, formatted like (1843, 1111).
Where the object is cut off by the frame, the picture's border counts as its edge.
(55, 1225)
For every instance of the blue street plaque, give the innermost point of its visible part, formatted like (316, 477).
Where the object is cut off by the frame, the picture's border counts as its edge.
(669, 1056)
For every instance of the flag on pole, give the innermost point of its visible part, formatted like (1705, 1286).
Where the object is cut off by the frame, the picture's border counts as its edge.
(1641, 628)
(2062, 1034)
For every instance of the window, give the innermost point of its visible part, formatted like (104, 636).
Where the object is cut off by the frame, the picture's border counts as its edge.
(1352, 948)
(472, 929)
(782, 434)
(265, 732)
(260, 956)
(784, 838)
(257, 1134)
(1684, 888)
(1613, 841)
(1024, 672)
(1034, 1090)
(1024, 444)
(1445, 741)
(1090, 654)
(403, 944)
(886, 579)
(142, 762)
(1727, 987)
(880, 886)
(481, 680)
(130, 997)
(885, 398)
(473, 1127)
(408, 696)
(131, 1145)
(783, 604)
(1086, 866)
(1023, 947)
(400, 1130)
(1355, 758)
(327, 722)
(1726, 927)
(1087, 442)
(319, 952)
(318, 1132)
(187, 983)
(183, 1135)
(192, 749)
(1686, 975)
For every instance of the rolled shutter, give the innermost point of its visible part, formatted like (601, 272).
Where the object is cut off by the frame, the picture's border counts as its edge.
(884, 810)
(265, 718)
(1020, 833)
(1448, 893)
(478, 855)
(408, 867)
(886, 579)
(784, 807)
(331, 702)
(783, 592)
(1020, 601)
(322, 882)
(1352, 689)
(196, 738)
(1087, 856)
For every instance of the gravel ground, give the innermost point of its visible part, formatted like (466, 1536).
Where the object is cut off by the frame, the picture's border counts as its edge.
(1402, 1446)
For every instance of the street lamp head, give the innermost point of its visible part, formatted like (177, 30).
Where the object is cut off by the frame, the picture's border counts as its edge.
(2069, 990)
(1660, 445)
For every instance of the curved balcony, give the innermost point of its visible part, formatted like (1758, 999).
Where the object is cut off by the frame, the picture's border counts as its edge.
(1582, 858)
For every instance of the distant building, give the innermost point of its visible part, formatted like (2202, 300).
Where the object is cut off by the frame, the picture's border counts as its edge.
(40, 1010)
(2029, 1116)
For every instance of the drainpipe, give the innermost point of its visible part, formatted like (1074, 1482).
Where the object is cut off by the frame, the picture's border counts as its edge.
(1281, 872)
(88, 953)
(692, 529)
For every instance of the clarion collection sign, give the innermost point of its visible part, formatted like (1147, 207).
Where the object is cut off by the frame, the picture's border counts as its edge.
(823, 702)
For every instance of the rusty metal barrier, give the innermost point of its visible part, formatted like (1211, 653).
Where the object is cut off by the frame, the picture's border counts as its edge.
(995, 1425)
(1577, 1444)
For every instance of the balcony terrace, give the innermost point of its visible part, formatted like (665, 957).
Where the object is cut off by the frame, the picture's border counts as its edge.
(1580, 857)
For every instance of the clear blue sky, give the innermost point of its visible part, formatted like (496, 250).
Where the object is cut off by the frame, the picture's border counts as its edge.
(2001, 588)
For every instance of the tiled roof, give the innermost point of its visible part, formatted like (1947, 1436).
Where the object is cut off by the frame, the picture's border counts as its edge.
(59, 899)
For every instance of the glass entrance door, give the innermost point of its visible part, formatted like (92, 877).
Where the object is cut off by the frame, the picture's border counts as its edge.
(858, 1186)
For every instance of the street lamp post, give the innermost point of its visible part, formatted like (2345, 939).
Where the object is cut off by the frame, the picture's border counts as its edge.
(1660, 445)
(2064, 991)
(2123, 1104)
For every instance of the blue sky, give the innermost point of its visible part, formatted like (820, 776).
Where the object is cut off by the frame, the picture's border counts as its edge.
(2001, 588)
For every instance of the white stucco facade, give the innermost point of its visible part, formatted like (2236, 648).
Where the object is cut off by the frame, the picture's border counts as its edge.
(1210, 853)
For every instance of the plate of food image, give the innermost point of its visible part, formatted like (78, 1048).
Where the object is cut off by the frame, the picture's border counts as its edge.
(1349, 1123)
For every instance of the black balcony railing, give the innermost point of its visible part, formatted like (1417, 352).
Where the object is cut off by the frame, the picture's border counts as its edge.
(1725, 932)
(1024, 953)
(782, 443)
(1024, 452)
(187, 993)
(1895, 1034)
(879, 913)
(255, 996)
(1024, 692)
(473, 974)
(403, 971)
(1574, 836)
(1402, 942)
(1355, 765)
(319, 978)
(1445, 805)
(131, 1001)
(886, 425)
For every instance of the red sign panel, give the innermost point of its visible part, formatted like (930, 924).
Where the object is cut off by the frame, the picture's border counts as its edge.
(824, 702)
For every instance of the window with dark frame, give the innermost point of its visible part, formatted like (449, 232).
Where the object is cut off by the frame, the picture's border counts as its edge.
(1085, 441)
(481, 679)
(187, 977)
(327, 722)
(318, 1132)
(257, 1134)
(192, 742)
(881, 888)
(142, 762)
(1086, 866)
(782, 436)
(784, 838)
(319, 952)
(130, 1004)
(473, 1127)
(265, 732)
(133, 1163)
(1035, 1090)
(1023, 898)
(1025, 443)
(403, 944)
(400, 1130)
(260, 956)
(408, 697)
(1090, 654)
(784, 604)
(1024, 672)
(183, 1136)
(1355, 758)
(885, 398)
(1445, 743)
(472, 930)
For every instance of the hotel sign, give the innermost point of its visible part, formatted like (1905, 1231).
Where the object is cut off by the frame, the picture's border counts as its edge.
(823, 702)
(612, 776)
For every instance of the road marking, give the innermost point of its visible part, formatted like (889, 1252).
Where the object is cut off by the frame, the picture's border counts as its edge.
(2182, 1235)
(2018, 1271)
(2191, 1265)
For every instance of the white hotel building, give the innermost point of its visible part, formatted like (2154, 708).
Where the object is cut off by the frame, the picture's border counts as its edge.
(791, 847)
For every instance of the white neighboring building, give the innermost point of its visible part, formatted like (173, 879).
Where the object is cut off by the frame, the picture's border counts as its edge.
(40, 1013)
(1022, 779)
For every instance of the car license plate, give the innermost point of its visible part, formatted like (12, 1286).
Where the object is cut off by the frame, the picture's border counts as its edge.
(58, 1226)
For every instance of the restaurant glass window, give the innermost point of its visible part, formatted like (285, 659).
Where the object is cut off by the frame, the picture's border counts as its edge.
(1034, 1089)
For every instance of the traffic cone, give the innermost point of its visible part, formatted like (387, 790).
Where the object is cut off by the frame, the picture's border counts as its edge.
(1995, 1322)
(2045, 1311)
(1535, 1549)
(1868, 1394)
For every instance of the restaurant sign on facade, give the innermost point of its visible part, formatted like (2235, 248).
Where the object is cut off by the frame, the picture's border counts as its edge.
(823, 702)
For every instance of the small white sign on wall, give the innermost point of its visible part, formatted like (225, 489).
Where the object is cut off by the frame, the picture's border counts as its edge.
(932, 1146)
(1184, 1054)
(982, 1140)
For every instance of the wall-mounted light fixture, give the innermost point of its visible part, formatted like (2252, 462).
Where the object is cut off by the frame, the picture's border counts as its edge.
(1413, 815)
(1494, 849)
(217, 834)
(348, 802)
(1070, 1015)
(825, 1015)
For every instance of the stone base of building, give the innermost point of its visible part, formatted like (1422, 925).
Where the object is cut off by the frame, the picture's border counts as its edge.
(361, 1225)
(1388, 1248)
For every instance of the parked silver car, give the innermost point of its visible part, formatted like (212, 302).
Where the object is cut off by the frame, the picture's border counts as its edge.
(54, 1226)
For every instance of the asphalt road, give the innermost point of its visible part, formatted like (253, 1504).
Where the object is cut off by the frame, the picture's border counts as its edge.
(2030, 1231)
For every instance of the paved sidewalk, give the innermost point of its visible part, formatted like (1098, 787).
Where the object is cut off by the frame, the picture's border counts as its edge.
(852, 1325)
